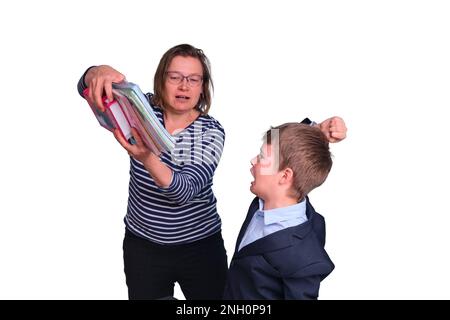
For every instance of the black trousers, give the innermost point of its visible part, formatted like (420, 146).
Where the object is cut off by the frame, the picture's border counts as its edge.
(152, 269)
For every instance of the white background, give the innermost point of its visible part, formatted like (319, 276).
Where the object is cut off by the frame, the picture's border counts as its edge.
(381, 65)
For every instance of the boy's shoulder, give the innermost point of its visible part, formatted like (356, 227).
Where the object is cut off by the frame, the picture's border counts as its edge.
(306, 254)
(306, 249)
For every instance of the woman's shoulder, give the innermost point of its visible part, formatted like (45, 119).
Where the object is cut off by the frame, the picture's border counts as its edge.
(209, 123)
(155, 108)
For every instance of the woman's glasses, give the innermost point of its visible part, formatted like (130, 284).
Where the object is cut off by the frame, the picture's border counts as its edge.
(193, 80)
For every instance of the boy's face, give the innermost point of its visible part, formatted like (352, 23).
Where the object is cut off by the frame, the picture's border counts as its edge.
(265, 172)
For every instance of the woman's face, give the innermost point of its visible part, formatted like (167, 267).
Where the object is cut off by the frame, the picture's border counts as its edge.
(183, 84)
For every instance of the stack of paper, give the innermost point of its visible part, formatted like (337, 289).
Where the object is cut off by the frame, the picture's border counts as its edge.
(130, 108)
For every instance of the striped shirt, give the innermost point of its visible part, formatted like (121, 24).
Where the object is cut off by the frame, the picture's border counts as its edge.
(185, 211)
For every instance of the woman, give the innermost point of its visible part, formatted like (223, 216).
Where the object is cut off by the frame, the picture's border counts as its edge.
(173, 230)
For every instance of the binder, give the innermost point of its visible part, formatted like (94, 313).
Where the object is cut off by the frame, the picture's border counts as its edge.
(131, 109)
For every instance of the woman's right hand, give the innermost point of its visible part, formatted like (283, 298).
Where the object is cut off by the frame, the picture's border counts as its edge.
(99, 81)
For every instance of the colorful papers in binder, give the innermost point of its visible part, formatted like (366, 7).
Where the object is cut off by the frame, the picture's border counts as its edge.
(128, 91)
(112, 118)
(130, 108)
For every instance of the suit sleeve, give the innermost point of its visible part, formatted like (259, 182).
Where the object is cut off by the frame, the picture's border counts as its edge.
(305, 283)
(308, 121)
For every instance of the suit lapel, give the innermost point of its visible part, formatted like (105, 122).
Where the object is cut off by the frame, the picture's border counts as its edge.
(251, 211)
(277, 240)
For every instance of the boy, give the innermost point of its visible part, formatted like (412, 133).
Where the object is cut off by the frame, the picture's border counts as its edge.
(280, 249)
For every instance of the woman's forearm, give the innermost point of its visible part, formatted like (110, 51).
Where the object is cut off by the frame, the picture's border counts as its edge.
(161, 174)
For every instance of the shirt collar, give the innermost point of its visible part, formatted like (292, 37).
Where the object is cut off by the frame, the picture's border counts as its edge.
(295, 211)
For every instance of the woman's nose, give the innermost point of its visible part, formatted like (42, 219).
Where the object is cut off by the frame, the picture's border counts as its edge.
(254, 161)
(183, 84)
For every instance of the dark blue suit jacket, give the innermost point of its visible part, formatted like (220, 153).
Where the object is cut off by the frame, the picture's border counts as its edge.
(287, 264)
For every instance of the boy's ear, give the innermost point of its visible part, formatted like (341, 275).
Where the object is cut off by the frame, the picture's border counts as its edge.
(287, 176)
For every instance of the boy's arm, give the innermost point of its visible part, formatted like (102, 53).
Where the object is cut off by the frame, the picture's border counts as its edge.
(305, 283)
(334, 128)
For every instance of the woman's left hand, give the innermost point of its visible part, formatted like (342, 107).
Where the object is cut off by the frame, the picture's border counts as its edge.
(138, 151)
(334, 129)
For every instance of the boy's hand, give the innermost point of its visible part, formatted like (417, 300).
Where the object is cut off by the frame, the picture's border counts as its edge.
(334, 129)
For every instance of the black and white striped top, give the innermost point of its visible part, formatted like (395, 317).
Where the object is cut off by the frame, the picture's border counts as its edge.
(186, 210)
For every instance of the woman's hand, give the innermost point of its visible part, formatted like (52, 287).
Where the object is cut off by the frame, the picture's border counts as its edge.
(334, 129)
(162, 174)
(99, 81)
(138, 151)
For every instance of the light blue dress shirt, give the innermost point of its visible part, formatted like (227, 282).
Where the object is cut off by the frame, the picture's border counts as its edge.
(265, 222)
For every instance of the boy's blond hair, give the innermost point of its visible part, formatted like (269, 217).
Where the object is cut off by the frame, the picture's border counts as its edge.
(304, 149)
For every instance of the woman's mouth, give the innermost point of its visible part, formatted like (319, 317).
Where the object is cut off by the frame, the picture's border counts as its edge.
(182, 98)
